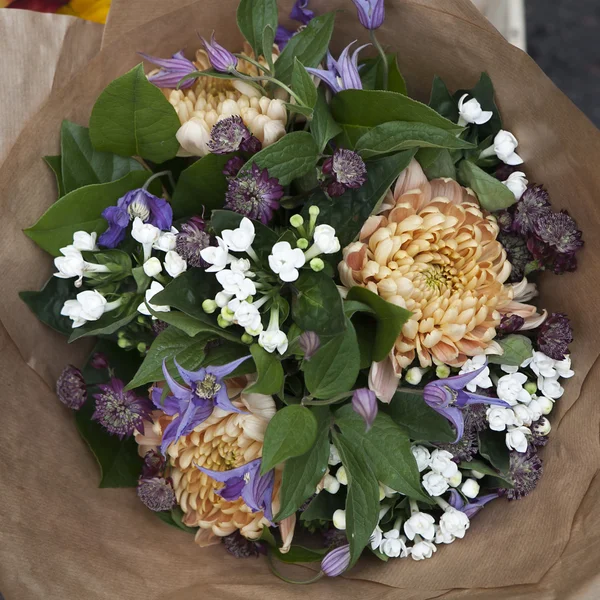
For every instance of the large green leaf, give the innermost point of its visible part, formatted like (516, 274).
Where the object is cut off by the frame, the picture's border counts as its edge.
(302, 84)
(201, 186)
(386, 448)
(83, 165)
(322, 507)
(48, 302)
(442, 100)
(81, 210)
(417, 420)
(269, 372)
(492, 194)
(309, 46)
(348, 213)
(55, 163)
(436, 163)
(323, 126)
(317, 305)
(492, 446)
(371, 74)
(252, 18)
(291, 432)
(301, 474)
(334, 368)
(362, 501)
(390, 320)
(294, 155)
(401, 135)
(132, 117)
(484, 93)
(517, 348)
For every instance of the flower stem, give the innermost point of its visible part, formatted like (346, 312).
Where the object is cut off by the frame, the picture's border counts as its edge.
(408, 390)
(286, 579)
(276, 82)
(383, 57)
(308, 401)
(155, 176)
(254, 62)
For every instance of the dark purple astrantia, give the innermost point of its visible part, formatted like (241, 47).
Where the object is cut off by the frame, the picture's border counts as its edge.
(233, 166)
(172, 70)
(517, 253)
(336, 561)
(254, 194)
(534, 204)
(448, 397)
(555, 335)
(524, 473)
(157, 493)
(194, 404)
(231, 135)
(474, 506)
(191, 240)
(370, 13)
(341, 74)
(246, 482)
(347, 170)
(220, 58)
(154, 465)
(240, 547)
(70, 388)
(137, 203)
(301, 13)
(120, 412)
(560, 231)
(510, 324)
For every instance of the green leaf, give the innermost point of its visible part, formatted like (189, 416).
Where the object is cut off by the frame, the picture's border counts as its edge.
(132, 117)
(484, 93)
(141, 279)
(201, 185)
(419, 421)
(301, 110)
(302, 84)
(252, 18)
(83, 165)
(291, 432)
(301, 474)
(483, 467)
(169, 344)
(48, 302)
(401, 135)
(347, 213)
(317, 305)
(390, 320)
(54, 162)
(334, 368)
(123, 363)
(517, 348)
(442, 100)
(81, 210)
(323, 126)
(294, 155)
(493, 447)
(436, 163)
(386, 448)
(362, 502)
(119, 461)
(309, 46)
(300, 554)
(174, 518)
(227, 352)
(269, 371)
(322, 507)
(371, 74)
(268, 39)
(492, 194)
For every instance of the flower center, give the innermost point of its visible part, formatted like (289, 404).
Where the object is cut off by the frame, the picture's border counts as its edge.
(138, 208)
(208, 387)
(453, 394)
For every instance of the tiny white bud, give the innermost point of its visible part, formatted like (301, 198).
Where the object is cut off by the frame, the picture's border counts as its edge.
(542, 427)
(470, 488)
(545, 404)
(341, 475)
(334, 457)
(414, 376)
(152, 267)
(456, 479)
(331, 484)
(339, 519)
(442, 371)
(477, 474)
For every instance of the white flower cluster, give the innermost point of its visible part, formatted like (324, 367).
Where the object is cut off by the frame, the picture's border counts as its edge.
(529, 401)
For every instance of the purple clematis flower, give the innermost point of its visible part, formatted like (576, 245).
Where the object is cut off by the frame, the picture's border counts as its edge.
(246, 482)
(301, 13)
(220, 58)
(172, 70)
(364, 403)
(336, 561)
(370, 13)
(473, 507)
(137, 203)
(341, 74)
(195, 404)
(448, 397)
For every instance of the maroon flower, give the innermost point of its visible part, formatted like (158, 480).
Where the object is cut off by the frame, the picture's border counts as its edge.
(346, 170)
(157, 493)
(510, 324)
(555, 335)
(559, 230)
(517, 253)
(524, 473)
(231, 135)
(70, 388)
(533, 205)
(240, 547)
(191, 240)
(233, 166)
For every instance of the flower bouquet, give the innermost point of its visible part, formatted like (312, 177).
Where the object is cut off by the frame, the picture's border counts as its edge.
(311, 295)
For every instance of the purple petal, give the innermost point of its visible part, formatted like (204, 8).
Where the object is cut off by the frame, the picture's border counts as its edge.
(201, 412)
(224, 403)
(455, 416)
(178, 390)
(161, 213)
(283, 36)
(437, 396)
(169, 436)
(327, 76)
(456, 500)
(301, 13)
(370, 13)
(233, 489)
(170, 405)
(224, 370)
(472, 508)
(478, 399)
(224, 476)
(190, 376)
(112, 237)
(460, 381)
(336, 561)
(364, 403)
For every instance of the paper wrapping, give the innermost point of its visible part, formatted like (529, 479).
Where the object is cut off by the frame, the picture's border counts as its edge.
(65, 539)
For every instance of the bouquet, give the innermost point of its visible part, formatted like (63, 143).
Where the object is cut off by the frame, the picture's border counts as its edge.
(311, 295)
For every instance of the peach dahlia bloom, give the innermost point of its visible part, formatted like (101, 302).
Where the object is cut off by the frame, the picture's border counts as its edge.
(433, 250)
(222, 442)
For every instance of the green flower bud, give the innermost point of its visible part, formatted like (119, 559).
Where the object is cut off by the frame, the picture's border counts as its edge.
(317, 264)
(296, 221)
(227, 314)
(442, 371)
(221, 322)
(142, 347)
(247, 338)
(123, 343)
(141, 320)
(209, 306)
(531, 387)
(314, 211)
(302, 243)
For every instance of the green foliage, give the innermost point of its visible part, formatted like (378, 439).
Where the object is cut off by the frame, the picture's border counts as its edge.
(492, 446)
(442, 100)
(517, 348)
(323, 126)
(492, 194)
(371, 74)
(48, 302)
(302, 84)
(269, 372)
(436, 163)
(253, 16)
(55, 163)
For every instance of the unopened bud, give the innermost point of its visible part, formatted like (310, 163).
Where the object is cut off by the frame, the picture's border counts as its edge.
(331, 484)
(477, 474)
(247, 338)
(317, 264)
(339, 519)
(442, 371)
(341, 475)
(302, 243)
(470, 488)
(141, 347)
(296, 221)
(545, 404)
(227, 314)
(456, 479)
(314, 211)
(542, 427)
(123, 343)
(209, 306)
(221, 322)
(414, 376)
(531, 387)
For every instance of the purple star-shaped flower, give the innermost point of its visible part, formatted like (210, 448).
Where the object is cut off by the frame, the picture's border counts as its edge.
(301, 13)
(172, 70)
(194, 404)
(246, 482)
(448, 397)
(473, 507)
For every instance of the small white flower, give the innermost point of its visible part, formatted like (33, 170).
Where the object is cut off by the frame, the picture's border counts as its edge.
(394, 544)
(471, 112)
(499, 417)
(550, 388)
(442, 463)
(88, 306)
(505, 144)
(331, 484)
(470, 488)
(245, 314)
(241, 265)
(154, 289)
(71, 264)
(541, 365)
(152, 267)
(420, 524)
(326, 240)
(422, 456)
(144, 233)
(563, 368)
(413, 376)
(456, 479)
(483, 379)
(376, 538)
(516, 438)
(342, 476)
(334, 457)
(285, 261)
(72, 309)
(523, 415)
(167, 240)
(517, 183)
(273, 339)
(546, 404)
(240, 239)
(339, 519)
(535, 408)
(435, 484)
(175, 265)
(510, 369)
(84, 241)
(423, 550)
(216, 256)
(454, 522)
(222, 299)
(236, 284)
(477, 474)
(510, 389)
(442, 537)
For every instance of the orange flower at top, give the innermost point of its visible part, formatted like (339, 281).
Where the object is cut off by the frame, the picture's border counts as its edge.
(433, 250)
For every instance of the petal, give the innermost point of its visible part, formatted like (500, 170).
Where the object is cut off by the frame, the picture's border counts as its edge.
(224, 370)
(178, 390)
(223, 402)
(224, 476)
(460, 381)
(455, 416)
(327, 76)
(190, 376)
